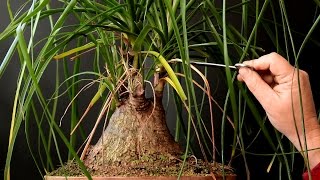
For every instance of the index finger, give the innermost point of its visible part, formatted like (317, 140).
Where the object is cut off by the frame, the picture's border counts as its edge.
(273, 62)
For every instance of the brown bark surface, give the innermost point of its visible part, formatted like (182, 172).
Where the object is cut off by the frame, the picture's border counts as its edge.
(136, 129)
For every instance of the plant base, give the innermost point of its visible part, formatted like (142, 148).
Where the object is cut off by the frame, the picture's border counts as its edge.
(228, 177)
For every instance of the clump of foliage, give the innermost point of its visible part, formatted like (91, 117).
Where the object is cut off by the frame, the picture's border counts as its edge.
(135, 44)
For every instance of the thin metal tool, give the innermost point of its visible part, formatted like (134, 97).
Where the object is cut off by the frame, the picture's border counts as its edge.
(236, 66)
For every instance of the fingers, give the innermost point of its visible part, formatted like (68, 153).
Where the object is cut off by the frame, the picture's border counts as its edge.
(258, 86)
(269, 70)
(273, 62)
(267, 77)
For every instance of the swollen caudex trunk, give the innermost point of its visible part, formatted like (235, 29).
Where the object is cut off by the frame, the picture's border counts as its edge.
(136, 128)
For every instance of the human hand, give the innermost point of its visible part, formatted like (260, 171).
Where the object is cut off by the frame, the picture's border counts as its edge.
(274, 82)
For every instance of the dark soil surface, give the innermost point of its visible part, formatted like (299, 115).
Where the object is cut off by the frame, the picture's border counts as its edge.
(151, 165)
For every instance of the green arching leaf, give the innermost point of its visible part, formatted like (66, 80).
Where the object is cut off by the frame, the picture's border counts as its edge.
(308, 36)
(214, 32)
(22, 19)
(97, 96)
(171, 83)
(38, 91)
(170, 72)
(8, 56)
(116, 29)
(30, 145)
(87, 27)
(229, 78)
(15, 126)
(144, 7)
(132, 17)
(163, 17)
(251, 37)
(190, 14)
(23, 48)
(117, 22)
(142, 37)
(75, 50)
(91, 5)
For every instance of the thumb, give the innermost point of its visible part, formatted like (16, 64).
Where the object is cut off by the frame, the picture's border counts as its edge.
(258, 87)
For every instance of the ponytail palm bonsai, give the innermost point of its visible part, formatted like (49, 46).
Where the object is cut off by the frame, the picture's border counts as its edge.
(124, 36)
(133, 44)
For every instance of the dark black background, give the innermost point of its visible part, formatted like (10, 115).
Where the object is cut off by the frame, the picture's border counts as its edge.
(301, 16)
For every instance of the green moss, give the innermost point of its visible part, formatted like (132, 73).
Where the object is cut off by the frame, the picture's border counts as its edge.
(71, 168)
(148, 165)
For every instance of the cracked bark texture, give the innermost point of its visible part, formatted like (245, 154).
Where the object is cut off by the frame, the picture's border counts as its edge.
(137, 127)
